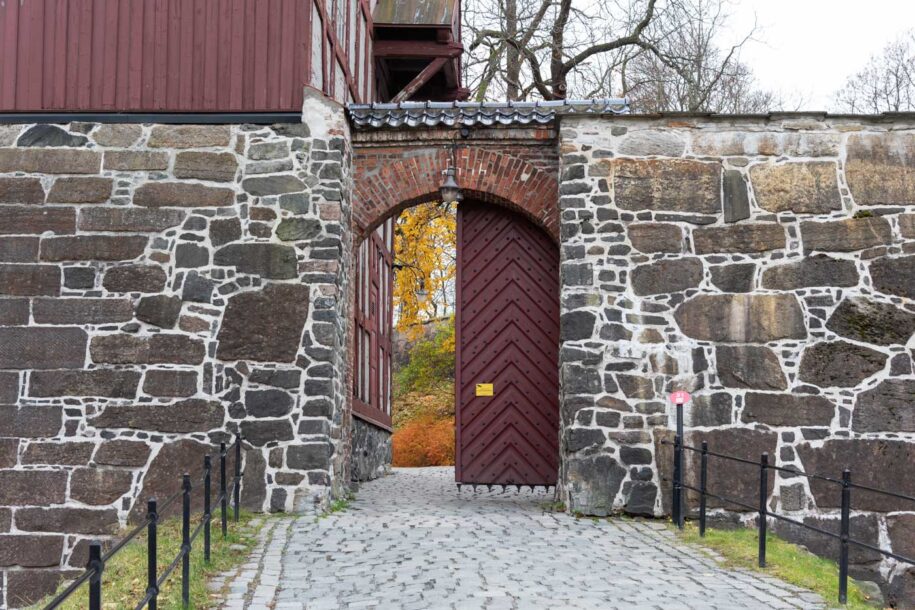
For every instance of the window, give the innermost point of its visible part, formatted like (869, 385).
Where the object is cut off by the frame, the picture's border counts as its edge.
(373, 328)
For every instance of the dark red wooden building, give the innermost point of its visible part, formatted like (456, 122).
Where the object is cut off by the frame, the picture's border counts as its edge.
(179, 60)
(223, 55)
(241, 57)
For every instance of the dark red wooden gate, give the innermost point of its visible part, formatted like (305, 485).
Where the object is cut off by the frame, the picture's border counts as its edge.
(508, 336)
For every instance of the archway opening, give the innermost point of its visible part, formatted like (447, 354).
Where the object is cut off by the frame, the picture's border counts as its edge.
(491, 408)
(423, 299)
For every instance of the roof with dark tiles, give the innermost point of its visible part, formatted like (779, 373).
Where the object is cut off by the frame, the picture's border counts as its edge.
(456, 114)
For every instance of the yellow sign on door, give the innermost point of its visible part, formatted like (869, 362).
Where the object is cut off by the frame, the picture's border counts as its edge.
(484, 389)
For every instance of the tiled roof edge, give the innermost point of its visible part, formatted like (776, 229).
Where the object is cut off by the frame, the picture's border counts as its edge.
(432, 114)
(455, 114)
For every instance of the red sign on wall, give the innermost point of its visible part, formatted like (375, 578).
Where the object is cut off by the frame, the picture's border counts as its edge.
(679, 397)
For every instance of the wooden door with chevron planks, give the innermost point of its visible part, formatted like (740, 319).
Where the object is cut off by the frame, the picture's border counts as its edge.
(507, 377)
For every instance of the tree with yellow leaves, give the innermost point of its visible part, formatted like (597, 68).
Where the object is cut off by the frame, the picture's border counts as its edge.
(425, 261)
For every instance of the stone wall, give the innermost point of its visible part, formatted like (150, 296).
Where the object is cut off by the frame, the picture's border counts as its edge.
(164, 286)
(161, 287)
(768, 267)
(371, 451)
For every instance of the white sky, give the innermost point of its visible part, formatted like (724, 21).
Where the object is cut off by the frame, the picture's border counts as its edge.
(810, 47)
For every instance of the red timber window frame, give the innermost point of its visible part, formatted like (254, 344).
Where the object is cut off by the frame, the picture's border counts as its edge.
(374, 316)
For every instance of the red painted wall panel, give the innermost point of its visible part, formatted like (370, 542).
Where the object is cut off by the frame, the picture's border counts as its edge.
(507, 335)
(154, 55)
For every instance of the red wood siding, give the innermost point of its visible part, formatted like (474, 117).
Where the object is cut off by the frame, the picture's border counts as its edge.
(374, 326)
(162, 55)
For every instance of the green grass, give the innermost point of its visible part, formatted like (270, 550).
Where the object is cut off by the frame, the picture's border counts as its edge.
(124, 579)
(553, 507)
(338, 506)
(784, 560)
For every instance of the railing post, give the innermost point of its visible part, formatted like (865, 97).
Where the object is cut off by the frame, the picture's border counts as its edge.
(676, 496)
(236, 485)
(223, 499)
(681, 496)
(152, 568)
(763, 498)
(207, 516)
(703, 486)
(844, 535)
(186, 541)
(95, 582)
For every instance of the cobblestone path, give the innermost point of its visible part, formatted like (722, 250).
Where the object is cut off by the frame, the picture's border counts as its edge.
(411, 541)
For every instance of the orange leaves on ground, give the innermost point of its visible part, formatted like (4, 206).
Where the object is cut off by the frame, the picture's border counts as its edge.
(424, 424)
(425, 441)
(423, 296)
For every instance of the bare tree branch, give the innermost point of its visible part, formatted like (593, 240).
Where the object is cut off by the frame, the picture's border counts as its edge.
(680, 66)
(632, 39)
(885, 84)
(664, 54)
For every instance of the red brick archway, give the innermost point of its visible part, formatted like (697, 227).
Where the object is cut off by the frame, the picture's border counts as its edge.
(391, 179)
(513, 168)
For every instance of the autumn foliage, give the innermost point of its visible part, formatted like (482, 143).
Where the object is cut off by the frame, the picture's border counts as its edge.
(425, 258)
(430, 362)
(423, 414)
(425, 442)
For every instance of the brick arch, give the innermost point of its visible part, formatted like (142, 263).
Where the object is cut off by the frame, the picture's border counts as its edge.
(389, 181)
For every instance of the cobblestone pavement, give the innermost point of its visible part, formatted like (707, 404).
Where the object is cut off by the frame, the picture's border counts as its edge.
(410, 540)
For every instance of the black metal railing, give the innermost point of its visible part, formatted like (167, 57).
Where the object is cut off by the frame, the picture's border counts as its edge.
(679, 504)
(95, 567)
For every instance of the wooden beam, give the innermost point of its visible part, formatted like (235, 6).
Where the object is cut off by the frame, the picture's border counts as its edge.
(415, 49)
(446, 94)
(382, 80)
(451, 74)
(372, 415)
(421, 79)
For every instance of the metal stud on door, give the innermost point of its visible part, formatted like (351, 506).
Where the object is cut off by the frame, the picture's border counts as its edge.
(507, 389)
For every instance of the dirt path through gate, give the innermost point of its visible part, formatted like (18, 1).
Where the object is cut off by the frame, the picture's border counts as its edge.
(411, 541)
